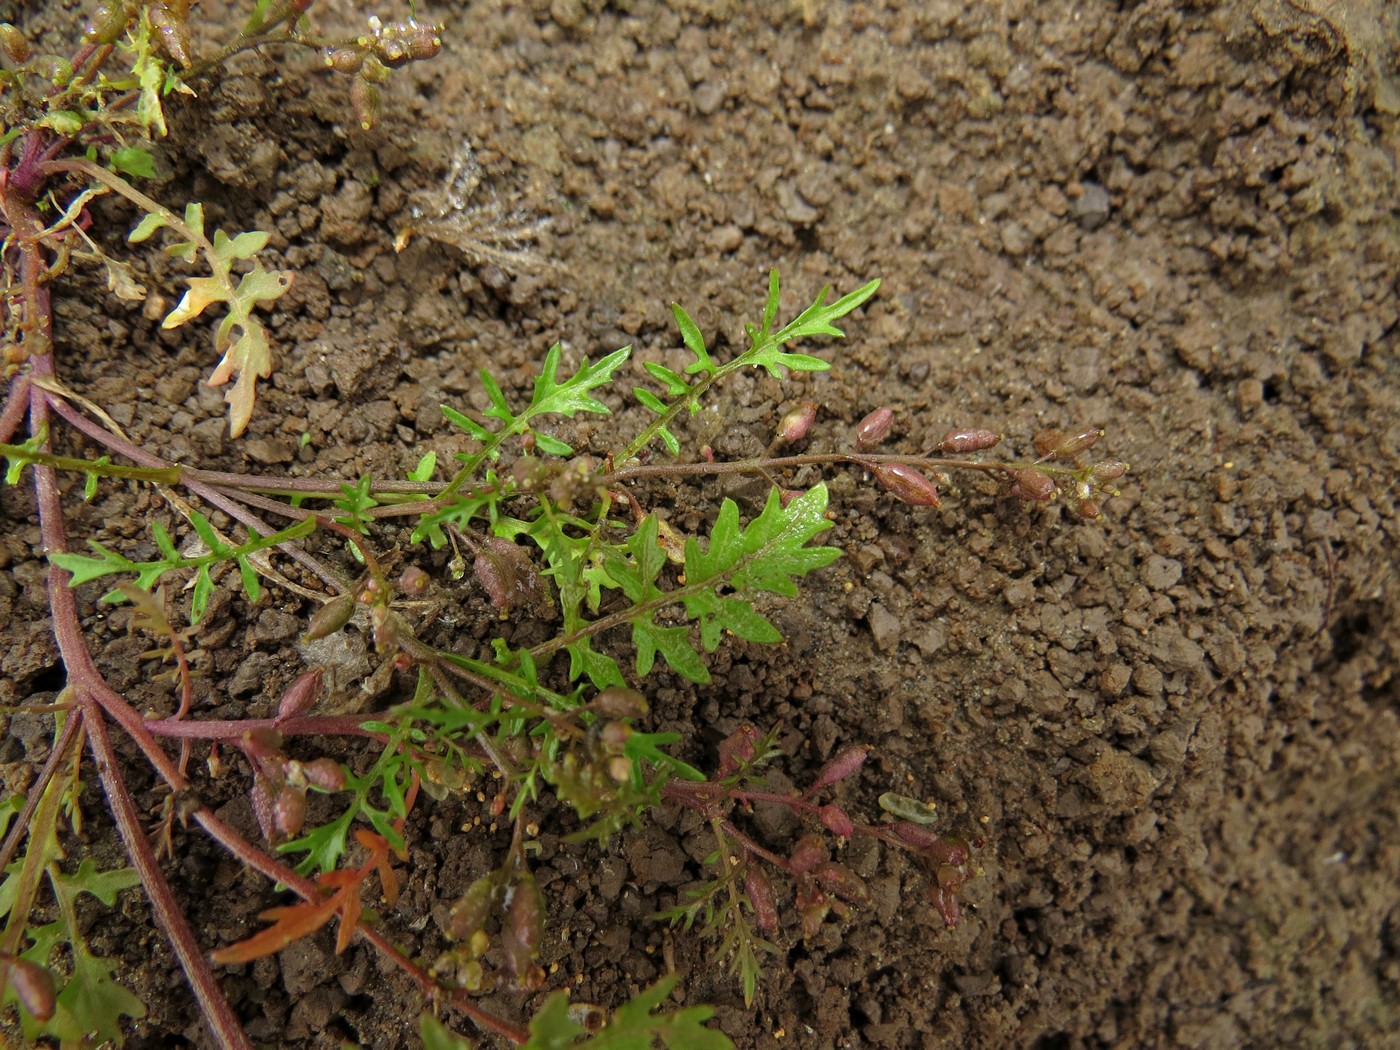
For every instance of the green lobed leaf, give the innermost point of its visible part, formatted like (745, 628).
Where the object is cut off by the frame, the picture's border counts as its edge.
(635, 1026)
(133, 160)
(694, 341)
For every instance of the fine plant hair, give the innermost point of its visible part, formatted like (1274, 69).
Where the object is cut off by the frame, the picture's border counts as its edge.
(572, 539)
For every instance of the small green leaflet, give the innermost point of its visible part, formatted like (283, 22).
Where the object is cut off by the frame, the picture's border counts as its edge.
(767, 351)
(633, 1027)
(764, 556)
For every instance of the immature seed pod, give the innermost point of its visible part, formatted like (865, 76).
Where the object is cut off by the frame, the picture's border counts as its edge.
(1077, 443)
(906, 484)
(809, 851)
(795, 424)
(368, 102)
(33, 987)
(331, 617)
(168, 19)
(471, 912)
(963, 441)
(344, 59)
(523, 928)
(324, 773)
(619, 702)
(289, 811)
(874, 428)
(109, 21)
(835, 820)
(1030, 484)
(301, 694)
(759, 890)
(845, 762)
(1110, 470)
(16, 47)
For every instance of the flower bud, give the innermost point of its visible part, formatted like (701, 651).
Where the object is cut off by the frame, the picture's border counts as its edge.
(413, 581)
(301, 694)
(614, 735)
(759, 889)
(906, 484)
(1030, 484)
(796, 423)
(736, 749)
(874, 428)
(962, 441)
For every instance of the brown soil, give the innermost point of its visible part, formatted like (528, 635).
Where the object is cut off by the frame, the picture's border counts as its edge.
(1177, 726)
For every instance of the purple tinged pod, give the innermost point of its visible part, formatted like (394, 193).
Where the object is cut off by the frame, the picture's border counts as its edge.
(796, 423)
(846, 761)
(301, 695)
(874, 428)
(759, 889)
(289, 811)
(809, 852)
(1030, 484)
(963, 441)
(324, 773)
(33, 986)
(522, 930)
(835, 820)
(906, 484)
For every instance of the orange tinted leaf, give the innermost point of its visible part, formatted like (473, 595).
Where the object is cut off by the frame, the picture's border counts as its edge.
(349, 907)
(293, 922)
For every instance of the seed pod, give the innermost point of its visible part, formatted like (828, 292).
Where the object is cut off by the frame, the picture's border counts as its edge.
(473, 908)
(109, 21)
(619, 702)
(1030, 484)
(842, 881)
(344, 59)
(507, 574)
(324, 773)
(1046, 441)
(962, 441)
(759, 890)
(906, 484)
(1077, 443)
(523, 928)
(874, 428)
(168, 20)
(301, 694)
(835, 820)
(367, 100)
(1109, 470)
(331, 617)
(809, 851)
(261, 796)
(289, 811)
(796, 423)
(16, 47)
(845, 762)
(33, 987)
(1087, 509)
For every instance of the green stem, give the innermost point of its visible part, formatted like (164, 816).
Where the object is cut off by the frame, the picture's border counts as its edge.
(158, 475)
